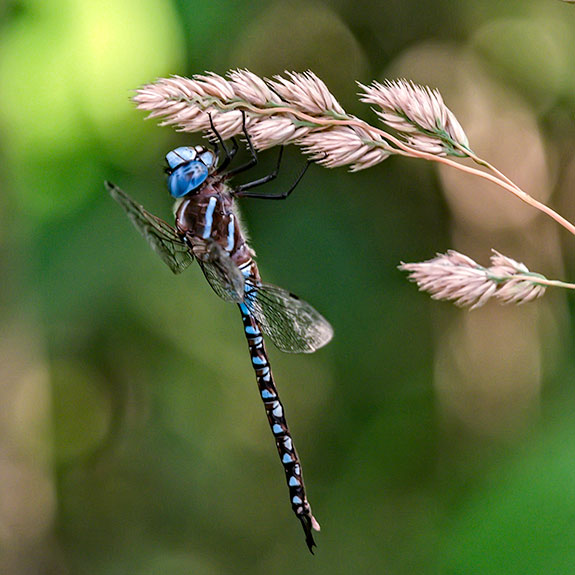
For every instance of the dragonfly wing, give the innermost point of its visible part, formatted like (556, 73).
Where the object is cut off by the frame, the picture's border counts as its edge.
(162, 237)
(223, 275)
(290, 322)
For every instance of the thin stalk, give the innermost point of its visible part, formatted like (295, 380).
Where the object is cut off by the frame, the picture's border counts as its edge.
(543, 281)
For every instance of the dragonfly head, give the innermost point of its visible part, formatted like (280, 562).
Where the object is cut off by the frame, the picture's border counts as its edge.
(188, 168)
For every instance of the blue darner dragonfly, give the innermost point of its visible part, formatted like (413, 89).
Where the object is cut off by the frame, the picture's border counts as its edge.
(207, 229)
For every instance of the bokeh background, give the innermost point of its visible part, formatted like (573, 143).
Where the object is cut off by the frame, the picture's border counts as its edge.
(132, 438)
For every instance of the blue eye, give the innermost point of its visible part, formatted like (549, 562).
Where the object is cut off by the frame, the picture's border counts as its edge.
(186, 178)
(208, 158)
(180, 156)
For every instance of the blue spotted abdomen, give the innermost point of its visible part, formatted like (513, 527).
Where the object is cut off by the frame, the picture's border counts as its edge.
(277, 420)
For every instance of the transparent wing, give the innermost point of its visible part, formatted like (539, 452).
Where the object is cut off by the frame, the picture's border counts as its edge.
(162, 237)
(223, 275)
(291, 323)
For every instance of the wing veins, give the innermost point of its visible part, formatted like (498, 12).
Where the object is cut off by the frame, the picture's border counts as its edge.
(162, 237)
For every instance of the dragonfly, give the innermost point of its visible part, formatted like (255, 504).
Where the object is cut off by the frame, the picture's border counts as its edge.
(207, 229)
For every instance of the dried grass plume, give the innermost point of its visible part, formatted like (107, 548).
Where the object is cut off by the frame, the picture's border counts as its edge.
(457, 278)
(299, 109)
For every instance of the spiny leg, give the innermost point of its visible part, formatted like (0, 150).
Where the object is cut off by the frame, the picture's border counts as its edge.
(240, 191)
(254, 157)
(229, 152)
(275, 413)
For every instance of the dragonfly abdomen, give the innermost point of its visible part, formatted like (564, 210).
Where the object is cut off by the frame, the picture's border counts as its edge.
(276, 418)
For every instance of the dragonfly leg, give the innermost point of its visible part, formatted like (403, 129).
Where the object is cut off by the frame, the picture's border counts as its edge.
(241, 191)
(254, 157)
(229, 152)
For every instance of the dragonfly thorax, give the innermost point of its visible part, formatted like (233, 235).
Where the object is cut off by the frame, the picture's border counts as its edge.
(188, 169)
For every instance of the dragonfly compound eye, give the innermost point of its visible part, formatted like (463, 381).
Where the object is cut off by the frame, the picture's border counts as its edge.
(208, 158)
(186, 178)
(180, 156)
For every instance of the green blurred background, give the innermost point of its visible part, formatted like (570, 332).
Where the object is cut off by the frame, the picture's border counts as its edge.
(132, 438)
